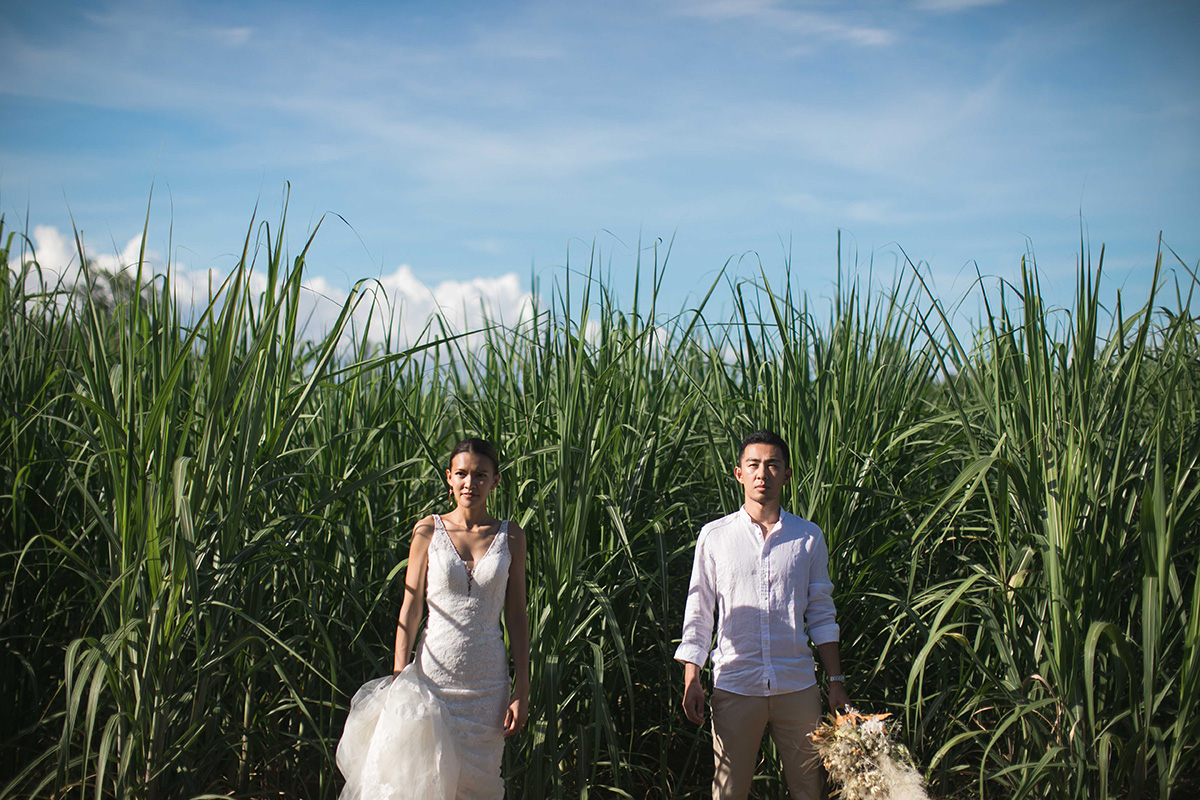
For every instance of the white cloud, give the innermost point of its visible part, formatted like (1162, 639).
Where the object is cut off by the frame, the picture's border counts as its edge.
(57, 255)
(54, 253)
(405, 306)
(126, 259)
(591, 332)
(398, 307)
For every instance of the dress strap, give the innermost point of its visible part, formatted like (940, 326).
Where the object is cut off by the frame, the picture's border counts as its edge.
(439, 526)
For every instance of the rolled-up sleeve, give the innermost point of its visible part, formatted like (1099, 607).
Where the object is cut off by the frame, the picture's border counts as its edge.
(698, 611)
(820, 615)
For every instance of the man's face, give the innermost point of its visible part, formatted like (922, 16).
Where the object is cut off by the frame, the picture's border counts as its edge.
(762, 473)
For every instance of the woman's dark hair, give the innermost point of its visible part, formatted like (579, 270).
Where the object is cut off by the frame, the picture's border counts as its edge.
(766, 437)
(477, 447)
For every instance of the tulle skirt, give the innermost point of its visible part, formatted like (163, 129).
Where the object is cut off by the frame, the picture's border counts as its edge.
(397, 742)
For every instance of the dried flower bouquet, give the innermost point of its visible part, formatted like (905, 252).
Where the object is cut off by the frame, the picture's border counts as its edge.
(865, 761)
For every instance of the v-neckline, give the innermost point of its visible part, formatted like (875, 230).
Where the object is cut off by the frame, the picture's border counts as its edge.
(469, 566)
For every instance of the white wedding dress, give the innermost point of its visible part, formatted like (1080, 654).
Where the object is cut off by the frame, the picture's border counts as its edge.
(437, 730)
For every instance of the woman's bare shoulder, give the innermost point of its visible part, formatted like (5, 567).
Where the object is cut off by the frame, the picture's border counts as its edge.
(515, 532)
(423, 530)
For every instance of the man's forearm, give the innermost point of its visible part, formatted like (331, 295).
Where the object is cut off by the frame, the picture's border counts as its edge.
(693, 693)
(831, 658)
(836, 694)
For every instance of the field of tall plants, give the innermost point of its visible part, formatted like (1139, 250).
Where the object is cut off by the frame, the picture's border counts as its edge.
(205, 516)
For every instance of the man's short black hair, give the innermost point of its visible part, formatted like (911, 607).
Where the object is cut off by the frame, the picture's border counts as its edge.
(766, 437)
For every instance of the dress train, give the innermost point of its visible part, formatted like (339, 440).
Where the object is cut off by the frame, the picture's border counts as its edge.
(396, 744)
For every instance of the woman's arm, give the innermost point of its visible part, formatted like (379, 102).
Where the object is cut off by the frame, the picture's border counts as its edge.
(413, 607)
(516, 620)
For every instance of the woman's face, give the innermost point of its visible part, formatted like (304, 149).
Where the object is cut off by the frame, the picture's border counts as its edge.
(472, 478)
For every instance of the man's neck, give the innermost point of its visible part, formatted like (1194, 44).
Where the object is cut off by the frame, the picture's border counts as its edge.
(765, 515)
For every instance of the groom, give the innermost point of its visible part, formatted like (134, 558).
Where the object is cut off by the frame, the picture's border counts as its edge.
(766, 572)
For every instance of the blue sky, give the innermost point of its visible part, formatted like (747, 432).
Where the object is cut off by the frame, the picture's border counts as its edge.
(468, 144)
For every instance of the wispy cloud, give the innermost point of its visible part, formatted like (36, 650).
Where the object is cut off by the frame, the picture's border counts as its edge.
(420, 109)
(951, 6)
(774, 14)
(490, 246)
(231, 37)
(518, 44)
(152, 22)
(891, 212)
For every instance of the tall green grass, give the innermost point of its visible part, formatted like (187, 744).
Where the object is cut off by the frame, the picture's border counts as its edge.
(205, 517)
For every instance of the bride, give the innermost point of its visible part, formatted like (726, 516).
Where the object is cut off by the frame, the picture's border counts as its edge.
(436, 727)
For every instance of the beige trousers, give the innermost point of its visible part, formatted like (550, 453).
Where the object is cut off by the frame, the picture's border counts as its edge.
(738, 724)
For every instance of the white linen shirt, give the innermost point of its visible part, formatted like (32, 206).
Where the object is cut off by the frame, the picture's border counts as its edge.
(767, 591)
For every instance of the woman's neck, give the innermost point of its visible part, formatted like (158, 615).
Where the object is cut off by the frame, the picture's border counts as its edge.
(470, 518)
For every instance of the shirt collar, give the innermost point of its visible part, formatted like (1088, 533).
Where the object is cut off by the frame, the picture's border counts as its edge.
(744, 515)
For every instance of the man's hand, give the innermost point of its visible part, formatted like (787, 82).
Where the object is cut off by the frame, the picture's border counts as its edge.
(838, 699)
(693, 702)
(693, 694)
